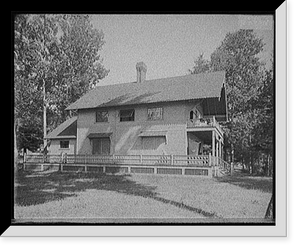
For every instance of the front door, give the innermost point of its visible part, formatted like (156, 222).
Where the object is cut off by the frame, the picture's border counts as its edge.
(101, 146)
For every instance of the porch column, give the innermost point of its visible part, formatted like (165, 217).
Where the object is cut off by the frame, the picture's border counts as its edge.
(220, 150)
(217, 150)
(213, 147)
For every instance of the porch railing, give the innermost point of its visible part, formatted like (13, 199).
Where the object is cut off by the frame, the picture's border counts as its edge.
(224, 166)
(199, 160)
(204, 122)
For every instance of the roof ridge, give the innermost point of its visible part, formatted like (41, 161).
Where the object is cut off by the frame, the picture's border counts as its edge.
(163, 78)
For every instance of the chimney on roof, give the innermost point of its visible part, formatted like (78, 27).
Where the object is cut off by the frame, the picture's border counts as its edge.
(141, 70)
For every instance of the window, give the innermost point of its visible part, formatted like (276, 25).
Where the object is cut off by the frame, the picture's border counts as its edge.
(126, 115)
(101, 116)
(153, 142)
(192, 115)
(64, 144)
(155, 114)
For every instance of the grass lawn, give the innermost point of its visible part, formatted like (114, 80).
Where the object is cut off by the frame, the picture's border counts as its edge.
(94, 197)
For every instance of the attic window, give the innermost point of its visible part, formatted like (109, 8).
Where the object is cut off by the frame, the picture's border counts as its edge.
(126, 115)
(192, 115)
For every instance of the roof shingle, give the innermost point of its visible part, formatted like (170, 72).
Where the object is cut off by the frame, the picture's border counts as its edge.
(179, 88)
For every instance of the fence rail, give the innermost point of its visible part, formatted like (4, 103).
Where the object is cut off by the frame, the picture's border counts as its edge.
(169, 160)
(203, 165)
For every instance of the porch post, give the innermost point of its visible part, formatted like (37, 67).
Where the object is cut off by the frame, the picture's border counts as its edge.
(220, 150)
(213, 147)
(217, 151)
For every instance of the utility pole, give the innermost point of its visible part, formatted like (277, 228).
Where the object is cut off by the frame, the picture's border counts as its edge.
(44, 93)
(44, 114)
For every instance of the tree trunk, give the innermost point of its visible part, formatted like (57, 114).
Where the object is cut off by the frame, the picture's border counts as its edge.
(243, 164)
(251, 163)
(268, 164)
(232, 153)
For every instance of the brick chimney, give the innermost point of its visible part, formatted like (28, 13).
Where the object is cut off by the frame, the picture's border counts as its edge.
(141, 70)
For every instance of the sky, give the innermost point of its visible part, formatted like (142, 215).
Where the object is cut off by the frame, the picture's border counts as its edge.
(169, 44)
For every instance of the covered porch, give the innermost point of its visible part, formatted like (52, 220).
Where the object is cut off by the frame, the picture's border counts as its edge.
(205, 141)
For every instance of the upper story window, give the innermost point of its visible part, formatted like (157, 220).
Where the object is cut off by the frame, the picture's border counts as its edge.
(101, 116)
(155, 114)
(126, 115)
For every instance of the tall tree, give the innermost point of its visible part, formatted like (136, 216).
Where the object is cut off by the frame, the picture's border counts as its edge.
(78, 65)
(249, 93)
(238, 56)
(60, 52)
(29, 64)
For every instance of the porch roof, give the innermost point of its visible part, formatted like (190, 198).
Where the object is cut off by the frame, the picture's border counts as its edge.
(150, 133)
(98, 135)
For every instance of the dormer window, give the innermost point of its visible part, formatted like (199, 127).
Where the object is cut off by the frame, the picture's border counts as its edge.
(192, 115)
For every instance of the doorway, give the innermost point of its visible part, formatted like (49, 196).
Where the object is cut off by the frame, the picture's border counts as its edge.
(101, 146)
(199, 142)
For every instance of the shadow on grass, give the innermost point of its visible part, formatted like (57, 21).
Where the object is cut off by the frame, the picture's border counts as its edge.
(263, 184)
(33, 188)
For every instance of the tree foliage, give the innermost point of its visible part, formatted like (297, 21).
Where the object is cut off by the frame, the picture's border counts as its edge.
(237, 55)
(201, 65)
(249, 87)
(61, 52)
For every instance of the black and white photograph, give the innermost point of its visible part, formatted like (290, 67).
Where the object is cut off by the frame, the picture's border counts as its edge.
(144, 119)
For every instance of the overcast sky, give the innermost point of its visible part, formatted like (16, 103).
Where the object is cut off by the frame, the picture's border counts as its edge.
(168, 44)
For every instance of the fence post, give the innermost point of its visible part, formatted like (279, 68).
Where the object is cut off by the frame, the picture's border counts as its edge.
(141, 159)
(209, 159)
(172, 160)
(231, 168)
(85, 167)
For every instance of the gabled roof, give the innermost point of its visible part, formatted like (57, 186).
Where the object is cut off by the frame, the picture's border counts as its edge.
(66, 130)
(179, 88)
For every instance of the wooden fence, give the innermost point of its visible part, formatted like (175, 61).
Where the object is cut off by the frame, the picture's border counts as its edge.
(203, 165)
(171, 160)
